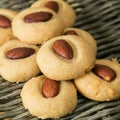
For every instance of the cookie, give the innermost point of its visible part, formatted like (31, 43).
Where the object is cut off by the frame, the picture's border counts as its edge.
(65, 57)
(102, 83)
(62, 8)
(43, 102)
(37, 25)
(18, 61)
(6, 17)
(84, 35)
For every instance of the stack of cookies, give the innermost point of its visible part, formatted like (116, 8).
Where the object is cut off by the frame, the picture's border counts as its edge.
(55, 59)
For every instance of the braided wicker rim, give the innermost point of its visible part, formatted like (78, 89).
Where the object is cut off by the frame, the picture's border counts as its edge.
(101, 19)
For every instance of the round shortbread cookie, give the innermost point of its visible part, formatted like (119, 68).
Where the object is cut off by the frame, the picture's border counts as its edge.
(83, 34)
(103, 85)
(13, 67)
(63, 9)
(37, 25)
(59, 68)
(52, 107)
(6, 33)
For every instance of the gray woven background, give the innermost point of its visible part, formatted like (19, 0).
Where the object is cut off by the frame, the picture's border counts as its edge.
(102, 19)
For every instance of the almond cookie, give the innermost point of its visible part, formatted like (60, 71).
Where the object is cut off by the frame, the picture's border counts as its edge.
(83, 34)
(18, 61)
(46, 98)
(102, 83)
(6, 17)
(65, 57)
(63, 9)
(37, 25)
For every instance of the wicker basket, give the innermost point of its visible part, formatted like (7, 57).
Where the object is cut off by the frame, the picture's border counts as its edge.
(102, 19)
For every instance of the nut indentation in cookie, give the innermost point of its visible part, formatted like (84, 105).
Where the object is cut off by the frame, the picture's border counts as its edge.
(20, 52)
(4, 22)
(52, 5)
(50, 88)
(63, 49)
(104, 72)
(38, 17)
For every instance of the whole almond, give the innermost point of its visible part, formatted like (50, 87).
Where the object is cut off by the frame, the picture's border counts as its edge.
(20, 52)
(50, 88)
(63, 49)
(38, 17)
(70, 32)
(4, 22)
(104, 72)
(52, 5)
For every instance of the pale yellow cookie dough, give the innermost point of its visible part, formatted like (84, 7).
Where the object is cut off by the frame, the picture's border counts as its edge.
(18, 70)
(62, 104)
(66, 12)
(37, 32)
(6, 34)
(58, 68)
(84, 35)
(98, 89)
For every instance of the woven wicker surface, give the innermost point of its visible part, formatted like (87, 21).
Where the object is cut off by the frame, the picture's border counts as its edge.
(102, 19)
